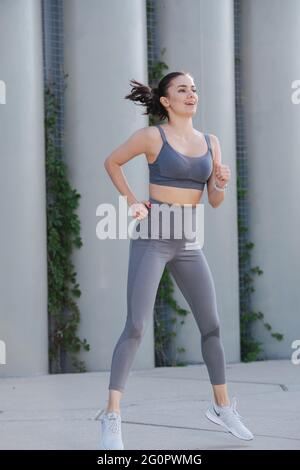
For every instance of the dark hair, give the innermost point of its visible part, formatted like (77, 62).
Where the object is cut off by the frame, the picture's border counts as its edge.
(149, 96)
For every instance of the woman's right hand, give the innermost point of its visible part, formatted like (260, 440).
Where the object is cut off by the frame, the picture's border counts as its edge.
(138, 210)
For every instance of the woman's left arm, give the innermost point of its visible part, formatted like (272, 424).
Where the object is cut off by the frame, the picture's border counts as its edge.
(220, 175)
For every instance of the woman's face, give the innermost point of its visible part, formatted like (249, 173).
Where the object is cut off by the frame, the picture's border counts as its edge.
(181, 92)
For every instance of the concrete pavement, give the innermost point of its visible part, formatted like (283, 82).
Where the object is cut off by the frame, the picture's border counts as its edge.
(162, 408)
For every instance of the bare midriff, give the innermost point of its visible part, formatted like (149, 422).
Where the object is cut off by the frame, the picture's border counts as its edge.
(173, 195)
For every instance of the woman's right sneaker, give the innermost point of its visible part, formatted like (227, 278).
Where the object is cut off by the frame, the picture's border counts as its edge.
(230, 419)
(111, 433)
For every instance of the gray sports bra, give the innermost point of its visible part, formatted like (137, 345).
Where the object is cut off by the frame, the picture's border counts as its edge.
(172, 168)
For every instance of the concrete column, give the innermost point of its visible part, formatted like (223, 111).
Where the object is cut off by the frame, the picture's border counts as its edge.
(270, 64)
(104, 49)
(199, 38)
(23, 251)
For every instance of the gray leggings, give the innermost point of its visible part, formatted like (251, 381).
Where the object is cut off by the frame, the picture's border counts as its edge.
(187, 264)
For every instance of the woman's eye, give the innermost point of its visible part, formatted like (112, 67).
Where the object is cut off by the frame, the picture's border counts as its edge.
(193, 90)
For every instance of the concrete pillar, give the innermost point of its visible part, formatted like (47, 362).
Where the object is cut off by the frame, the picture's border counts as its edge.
(199, 38)
(23, 251)
(104, 49)
(270, 64)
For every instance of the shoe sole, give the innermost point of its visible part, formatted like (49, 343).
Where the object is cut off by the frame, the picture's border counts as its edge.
(105, 448)
(216, 420)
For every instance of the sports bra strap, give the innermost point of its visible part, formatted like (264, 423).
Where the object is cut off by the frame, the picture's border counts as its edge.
(207, 138)
(162, 133)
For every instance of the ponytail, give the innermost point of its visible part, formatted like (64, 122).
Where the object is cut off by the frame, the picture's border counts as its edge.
(150, 97)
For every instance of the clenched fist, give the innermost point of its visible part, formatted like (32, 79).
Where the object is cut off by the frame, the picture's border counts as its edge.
(221, 174)
(138, 210)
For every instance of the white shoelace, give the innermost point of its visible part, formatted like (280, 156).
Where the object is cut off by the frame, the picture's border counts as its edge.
(232, 412)
(113, 423)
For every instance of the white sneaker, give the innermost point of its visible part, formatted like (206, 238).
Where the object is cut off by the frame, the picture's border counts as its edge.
(111, 434)
(229, 418)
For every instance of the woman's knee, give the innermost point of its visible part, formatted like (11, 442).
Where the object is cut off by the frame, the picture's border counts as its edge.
(214, 331)
(135, 330)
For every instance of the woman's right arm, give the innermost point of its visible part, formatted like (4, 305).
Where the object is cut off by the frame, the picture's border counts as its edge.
(138, 143)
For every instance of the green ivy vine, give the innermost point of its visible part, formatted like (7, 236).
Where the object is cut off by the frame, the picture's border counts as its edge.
(63, 235)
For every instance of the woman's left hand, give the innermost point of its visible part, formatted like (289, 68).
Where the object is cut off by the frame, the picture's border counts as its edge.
(222, 174)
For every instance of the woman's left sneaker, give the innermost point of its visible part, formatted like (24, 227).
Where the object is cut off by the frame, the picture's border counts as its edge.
(111, 434)
(229, 418)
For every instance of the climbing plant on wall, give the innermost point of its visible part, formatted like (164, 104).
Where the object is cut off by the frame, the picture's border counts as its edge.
(63, 236)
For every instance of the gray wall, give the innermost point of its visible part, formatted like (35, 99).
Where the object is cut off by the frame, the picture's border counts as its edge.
(23, 269)
(271, 62)
(104, 49)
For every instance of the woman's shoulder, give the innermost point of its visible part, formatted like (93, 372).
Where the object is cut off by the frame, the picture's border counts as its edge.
(147, 135)
(153, 134)
(149, 131)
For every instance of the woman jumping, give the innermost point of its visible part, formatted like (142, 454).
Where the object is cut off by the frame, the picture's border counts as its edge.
(181, 160)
